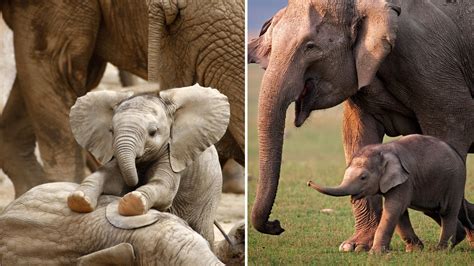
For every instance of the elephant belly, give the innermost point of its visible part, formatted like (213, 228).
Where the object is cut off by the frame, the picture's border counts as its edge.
(396, 124)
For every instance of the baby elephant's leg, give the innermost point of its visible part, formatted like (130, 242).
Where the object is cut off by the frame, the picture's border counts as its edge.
(107, 178)
(406, 232)
(460, 232)
(393, 208)
(158, 193)
(448, 231)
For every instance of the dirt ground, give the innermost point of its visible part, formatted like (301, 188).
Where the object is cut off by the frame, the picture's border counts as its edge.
(232, 207)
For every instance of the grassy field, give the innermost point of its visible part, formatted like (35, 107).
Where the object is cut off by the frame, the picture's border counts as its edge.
(312, 237)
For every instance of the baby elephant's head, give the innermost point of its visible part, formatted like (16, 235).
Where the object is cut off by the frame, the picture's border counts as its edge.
(183, 122)
(370, 172)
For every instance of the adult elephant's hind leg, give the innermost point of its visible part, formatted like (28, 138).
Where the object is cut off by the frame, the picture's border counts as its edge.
(17, 144)
(361, 129)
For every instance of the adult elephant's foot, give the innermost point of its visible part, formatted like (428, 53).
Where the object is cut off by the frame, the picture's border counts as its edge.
(133, 203)
(360, 241)
(470, 237)
(78, 201)
(367, 213)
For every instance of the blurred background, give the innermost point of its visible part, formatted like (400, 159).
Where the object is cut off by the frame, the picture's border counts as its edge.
(260, 11)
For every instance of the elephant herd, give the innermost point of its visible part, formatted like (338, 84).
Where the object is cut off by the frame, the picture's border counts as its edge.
(152, 145)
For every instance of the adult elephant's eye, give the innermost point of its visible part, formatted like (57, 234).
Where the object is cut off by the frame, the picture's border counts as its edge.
(310, 45)
(363, 177)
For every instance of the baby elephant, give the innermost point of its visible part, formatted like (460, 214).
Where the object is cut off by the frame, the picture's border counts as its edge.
(420, 172)
(158, 145)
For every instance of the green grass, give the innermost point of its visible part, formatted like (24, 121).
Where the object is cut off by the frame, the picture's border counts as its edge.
(311, 237)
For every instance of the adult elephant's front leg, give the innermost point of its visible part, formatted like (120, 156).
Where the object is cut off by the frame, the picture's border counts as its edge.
(361, 129)
(55, 65)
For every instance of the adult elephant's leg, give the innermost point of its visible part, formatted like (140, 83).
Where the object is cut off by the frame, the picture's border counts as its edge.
(237, 115)
(360, 129)
(17, 144)
(54, 68)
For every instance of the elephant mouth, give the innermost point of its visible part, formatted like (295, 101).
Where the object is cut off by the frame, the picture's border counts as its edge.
(301, 114)
(356, 197)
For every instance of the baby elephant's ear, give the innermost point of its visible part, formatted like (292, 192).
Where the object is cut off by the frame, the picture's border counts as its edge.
(395, 173)
(200, 119)
(91, 121)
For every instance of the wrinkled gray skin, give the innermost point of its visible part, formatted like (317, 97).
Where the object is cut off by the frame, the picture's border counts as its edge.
(419, 172)
(38, 228)
(400, 67)
(61, 50)
(162, 148)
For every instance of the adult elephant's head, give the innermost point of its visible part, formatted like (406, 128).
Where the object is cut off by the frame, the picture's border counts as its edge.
(316, 53)
(180, 122)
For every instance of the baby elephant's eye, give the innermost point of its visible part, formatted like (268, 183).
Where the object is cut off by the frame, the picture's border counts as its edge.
(363, 177)
(152, 132)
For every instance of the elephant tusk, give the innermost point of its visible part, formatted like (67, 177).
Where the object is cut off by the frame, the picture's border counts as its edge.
(223, 233)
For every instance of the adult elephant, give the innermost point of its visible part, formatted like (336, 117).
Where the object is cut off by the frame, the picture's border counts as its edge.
(61, 49)
(400, 67)
(57, 236)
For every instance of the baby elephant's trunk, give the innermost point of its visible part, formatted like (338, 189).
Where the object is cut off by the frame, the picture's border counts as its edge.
(126, 154)
(338, 191)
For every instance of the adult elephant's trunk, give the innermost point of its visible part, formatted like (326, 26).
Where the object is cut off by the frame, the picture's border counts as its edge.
(338, 191)
(161, 13)
(125, 153)
(273, 103)
(156, 26)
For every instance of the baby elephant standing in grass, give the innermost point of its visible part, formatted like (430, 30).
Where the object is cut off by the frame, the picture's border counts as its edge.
(420, 172)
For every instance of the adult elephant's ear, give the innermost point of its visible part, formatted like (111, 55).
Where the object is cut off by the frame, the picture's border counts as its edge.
(259, 48)
(200, 119)
(91, 121)
(374, 33)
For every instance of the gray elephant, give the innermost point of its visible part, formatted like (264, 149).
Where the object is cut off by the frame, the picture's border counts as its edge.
(162, 149)
(38, 228)
(400, 67)
(420, 172)
(61, 50)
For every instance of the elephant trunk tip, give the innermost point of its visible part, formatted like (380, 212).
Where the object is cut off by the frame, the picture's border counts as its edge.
(269, 227)
(313, 185)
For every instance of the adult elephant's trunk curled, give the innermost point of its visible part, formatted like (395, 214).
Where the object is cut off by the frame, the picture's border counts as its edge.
(273, 103)
(125, 152)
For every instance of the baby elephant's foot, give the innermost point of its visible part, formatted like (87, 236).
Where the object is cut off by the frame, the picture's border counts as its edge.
(133, 203)
(79, 202)
(415, 246)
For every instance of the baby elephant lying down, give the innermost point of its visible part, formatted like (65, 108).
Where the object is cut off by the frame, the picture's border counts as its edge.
(39, 229)
(420, 172)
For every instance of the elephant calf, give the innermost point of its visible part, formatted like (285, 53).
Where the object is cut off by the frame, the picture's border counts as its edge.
(420, 172)
(158, 145)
